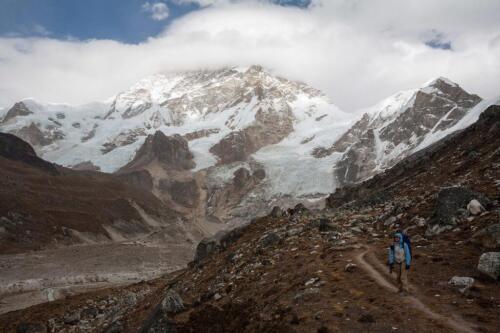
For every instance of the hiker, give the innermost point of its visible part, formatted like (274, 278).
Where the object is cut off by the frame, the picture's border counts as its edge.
(400, 259)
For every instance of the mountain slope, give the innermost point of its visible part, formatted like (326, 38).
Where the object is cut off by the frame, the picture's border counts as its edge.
(44, 205)
(324, 271)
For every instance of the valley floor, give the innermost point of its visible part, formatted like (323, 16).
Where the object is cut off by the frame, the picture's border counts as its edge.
(37, 277)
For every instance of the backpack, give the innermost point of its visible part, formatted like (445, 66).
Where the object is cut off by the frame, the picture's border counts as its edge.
(406, 239)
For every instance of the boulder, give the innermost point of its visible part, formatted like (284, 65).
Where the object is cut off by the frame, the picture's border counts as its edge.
(269, 239)
(463, 283)
(449, 201)
(205, 247)
(219, 241)
(172, 302)
(488, 237)
(489, 264)
(325, 225)
(276, 212)
(475, 208)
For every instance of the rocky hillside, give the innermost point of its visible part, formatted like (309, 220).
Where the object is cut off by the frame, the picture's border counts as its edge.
(43, 204)
(298, 270)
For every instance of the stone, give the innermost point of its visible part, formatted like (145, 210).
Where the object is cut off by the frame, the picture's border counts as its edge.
(390, 221)
(488, 237)
(276, 212)
(172, 302)
(449, 201)
(269, 239)
(311, 281)
(325, 225)
(463, 283)
(489, 264)
(306, 295)
(217, 296)
(205, 247)
(350, 267)
(419, 221)
(72, 318)
(474, 207)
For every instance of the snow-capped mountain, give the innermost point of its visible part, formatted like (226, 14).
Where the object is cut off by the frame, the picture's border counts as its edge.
(239, 137)
(399, 126)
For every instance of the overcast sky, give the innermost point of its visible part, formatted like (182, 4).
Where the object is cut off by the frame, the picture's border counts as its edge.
(356, 51)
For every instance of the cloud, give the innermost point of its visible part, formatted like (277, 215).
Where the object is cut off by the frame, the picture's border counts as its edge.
(158, 10)
(357, 52)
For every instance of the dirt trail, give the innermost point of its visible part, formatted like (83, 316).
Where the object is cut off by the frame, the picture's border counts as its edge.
(455, 322)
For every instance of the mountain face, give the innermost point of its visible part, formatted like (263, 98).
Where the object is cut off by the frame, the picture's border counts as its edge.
(216, 144)
(397, 127)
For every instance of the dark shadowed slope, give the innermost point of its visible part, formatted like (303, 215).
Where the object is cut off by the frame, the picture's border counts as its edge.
(46, 205)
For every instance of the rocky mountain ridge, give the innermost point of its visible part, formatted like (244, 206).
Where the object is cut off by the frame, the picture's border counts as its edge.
(238, 122)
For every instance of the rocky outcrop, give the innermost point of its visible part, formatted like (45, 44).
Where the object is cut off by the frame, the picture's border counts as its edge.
(271, 126)
(85, 166)
(170, 151)
(392, 130)
(488, 237)
(448, 205)
(489, 264)
(18, 110)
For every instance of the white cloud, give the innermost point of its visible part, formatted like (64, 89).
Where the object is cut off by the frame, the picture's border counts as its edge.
(355, 51)
(158, 10)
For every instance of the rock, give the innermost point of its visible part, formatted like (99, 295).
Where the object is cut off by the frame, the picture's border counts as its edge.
(204, 248)
(350, 267)
(449, 201)
(489, 264)
(390, 221)
(463, 283)
(474, 207)
(311, 281)
(419, 221)
(50, 294)
(276, 212)
(72, 318)
(306, 295)
(294, 231)
(488, 237)
(298, 209)
(325, 225)
(31, 328)
(356, 230)
(217, 296)
(269, 239)
(172, 302)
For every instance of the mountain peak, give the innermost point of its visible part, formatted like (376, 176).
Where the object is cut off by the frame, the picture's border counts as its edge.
(440, 81)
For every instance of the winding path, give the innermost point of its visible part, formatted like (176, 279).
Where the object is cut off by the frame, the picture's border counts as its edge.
(455, 322)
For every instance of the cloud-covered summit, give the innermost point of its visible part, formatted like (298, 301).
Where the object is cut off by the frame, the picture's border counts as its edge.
(356, 51)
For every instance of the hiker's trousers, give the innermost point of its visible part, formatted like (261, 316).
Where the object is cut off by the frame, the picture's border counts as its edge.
(402, 278)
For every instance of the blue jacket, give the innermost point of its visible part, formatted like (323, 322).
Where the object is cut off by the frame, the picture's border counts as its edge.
(402, 245)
